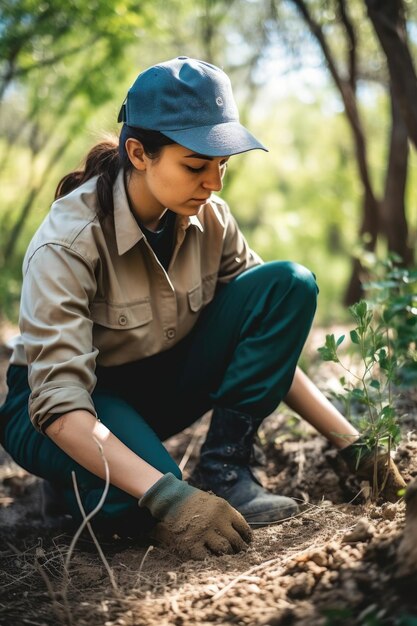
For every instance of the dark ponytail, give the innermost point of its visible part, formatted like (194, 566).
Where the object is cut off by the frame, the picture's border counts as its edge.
(102, 160)
(105, 161)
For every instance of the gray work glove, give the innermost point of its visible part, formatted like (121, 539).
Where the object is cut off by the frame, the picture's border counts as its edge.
(193, 523)
(360, 460)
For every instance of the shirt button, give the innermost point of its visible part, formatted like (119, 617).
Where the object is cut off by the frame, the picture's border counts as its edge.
(122, 320)
(171, 333)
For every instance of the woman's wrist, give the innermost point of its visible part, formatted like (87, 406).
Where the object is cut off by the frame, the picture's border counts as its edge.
(165, 495)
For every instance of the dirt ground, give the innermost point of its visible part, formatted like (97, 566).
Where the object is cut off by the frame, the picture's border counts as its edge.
(334, 564)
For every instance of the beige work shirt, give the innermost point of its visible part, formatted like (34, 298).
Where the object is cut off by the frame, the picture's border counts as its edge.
(94, 292)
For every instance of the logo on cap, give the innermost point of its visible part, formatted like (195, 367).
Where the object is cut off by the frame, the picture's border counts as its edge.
(219, 101)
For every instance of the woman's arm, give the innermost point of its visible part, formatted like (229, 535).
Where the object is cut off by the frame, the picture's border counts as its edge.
(74, 433)
(217, 527)
(308, 401)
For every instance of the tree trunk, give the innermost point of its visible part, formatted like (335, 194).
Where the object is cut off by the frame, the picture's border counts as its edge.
(387, 17)
(393, 217)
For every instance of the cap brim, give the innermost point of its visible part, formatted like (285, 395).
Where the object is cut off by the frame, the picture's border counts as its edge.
(216, 141)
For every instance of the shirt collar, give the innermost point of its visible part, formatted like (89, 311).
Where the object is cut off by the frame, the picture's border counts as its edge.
(185, 222)
(127, 230)
(126, 227)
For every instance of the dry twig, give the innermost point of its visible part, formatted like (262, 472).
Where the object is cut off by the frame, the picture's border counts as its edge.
(85, 523)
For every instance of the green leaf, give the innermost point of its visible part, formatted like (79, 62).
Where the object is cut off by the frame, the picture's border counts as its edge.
(354, 336)
(340, 340)
(361, 308)
(358, 394)
(328, 351)
(387, 412)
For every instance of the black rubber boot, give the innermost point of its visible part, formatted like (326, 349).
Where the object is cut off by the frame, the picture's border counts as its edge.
(224, 469)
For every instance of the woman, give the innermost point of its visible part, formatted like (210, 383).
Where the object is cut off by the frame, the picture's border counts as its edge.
(142, 308)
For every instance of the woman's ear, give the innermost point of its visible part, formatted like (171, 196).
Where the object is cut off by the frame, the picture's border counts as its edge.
(136, 154)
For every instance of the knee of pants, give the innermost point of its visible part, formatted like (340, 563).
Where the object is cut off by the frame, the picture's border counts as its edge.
(301, 281)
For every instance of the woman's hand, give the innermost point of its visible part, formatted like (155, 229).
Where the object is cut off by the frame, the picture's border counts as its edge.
(361, 462)
(194, 523)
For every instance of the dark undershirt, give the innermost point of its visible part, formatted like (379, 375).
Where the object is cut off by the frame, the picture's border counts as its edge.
(161, 240)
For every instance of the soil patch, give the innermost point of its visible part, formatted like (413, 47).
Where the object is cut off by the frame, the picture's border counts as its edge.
(335, 563)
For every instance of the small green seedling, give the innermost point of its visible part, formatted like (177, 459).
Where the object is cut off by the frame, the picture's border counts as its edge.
(369, 386)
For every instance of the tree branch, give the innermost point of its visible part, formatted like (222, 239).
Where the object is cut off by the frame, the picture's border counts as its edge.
(352, 43)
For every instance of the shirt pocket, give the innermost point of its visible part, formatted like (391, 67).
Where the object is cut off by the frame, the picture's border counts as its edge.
(122, 316)
(202, 294)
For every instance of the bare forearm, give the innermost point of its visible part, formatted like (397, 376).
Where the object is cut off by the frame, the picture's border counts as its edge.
(76, 432)
(308, 401)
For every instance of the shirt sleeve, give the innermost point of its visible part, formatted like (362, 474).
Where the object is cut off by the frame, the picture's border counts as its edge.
(56, 329)
(237, 256)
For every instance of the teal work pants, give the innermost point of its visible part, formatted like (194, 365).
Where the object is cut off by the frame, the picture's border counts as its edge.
(241, 354)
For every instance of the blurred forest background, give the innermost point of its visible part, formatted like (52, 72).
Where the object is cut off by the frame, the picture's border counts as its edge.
(328, 85)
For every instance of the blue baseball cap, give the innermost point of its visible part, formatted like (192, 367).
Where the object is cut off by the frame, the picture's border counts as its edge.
(192, 103)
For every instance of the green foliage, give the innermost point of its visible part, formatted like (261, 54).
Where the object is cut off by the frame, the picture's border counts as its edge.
(384, 343)
(370, 384)
(393, 290)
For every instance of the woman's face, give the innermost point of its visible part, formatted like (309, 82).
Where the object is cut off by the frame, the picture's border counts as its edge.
(178, 179)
